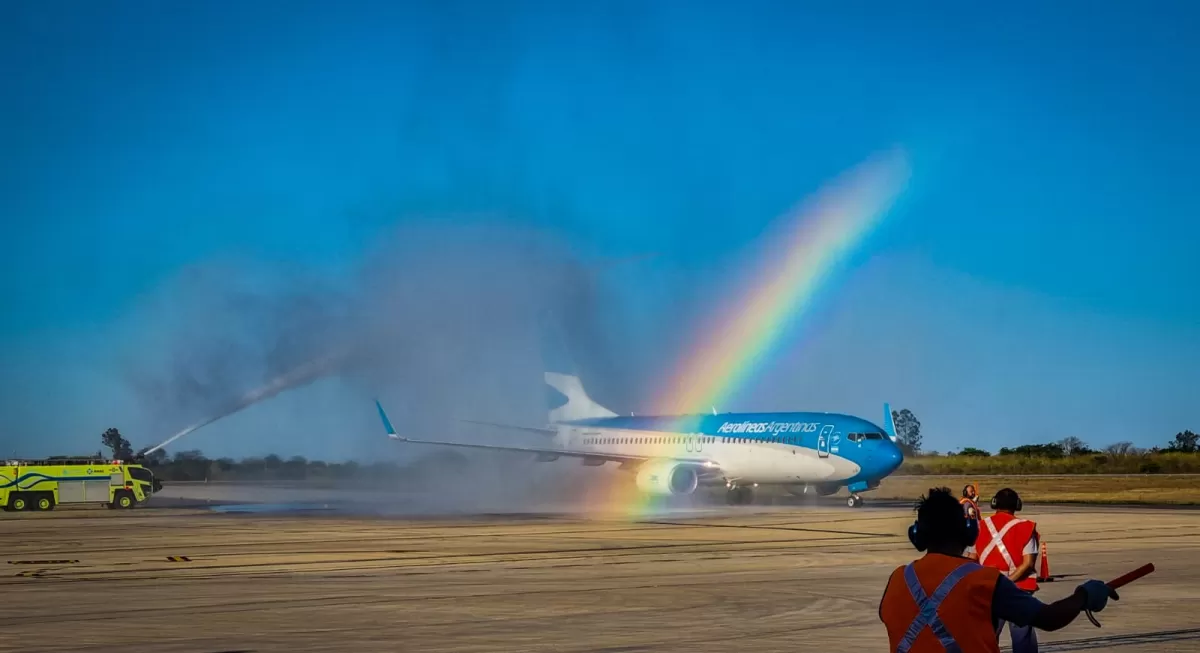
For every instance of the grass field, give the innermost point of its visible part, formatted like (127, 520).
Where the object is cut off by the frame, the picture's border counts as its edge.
(1067, 488)
(1163, 462)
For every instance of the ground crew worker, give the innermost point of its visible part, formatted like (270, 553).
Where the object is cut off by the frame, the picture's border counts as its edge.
(970, 501)
(1010, 544)
(944, 602)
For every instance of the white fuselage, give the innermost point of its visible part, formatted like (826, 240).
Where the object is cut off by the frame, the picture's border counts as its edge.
(739, 459)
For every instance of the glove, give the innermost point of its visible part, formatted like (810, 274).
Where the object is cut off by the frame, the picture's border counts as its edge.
(1096, 594)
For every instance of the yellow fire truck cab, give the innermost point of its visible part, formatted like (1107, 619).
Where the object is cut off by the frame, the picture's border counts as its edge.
(43, 484)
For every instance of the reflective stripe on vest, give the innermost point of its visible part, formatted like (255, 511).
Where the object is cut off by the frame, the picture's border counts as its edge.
(927, 607)
(998, 542)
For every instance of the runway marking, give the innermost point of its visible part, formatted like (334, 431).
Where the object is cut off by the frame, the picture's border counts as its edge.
(770, 527)
(359, 600)
(1122, 640)
(433, 559)
(42, 562)
(32, 573)
(467, 562)
(178, 559)
(407, 535)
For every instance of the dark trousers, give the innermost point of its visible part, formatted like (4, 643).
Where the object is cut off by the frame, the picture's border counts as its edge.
(1024, 638)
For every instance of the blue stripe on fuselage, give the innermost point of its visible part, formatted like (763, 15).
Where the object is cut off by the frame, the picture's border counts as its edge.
(752, 426)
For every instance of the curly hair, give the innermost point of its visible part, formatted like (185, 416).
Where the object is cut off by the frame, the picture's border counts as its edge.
(940, 518)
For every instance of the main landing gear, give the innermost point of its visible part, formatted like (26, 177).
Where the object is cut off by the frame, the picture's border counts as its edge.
(854, 501)
(739, 495)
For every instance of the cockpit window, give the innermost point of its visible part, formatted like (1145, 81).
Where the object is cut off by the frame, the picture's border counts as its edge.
(874, 436)
(855, 437)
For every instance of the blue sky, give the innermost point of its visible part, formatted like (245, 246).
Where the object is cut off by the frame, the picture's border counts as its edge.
(1038, 278)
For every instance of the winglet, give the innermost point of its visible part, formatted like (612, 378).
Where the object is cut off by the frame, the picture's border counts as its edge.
(387, 424)
(889, 424)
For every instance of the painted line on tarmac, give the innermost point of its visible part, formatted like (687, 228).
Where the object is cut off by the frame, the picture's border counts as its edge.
(775, 528)
(1114, 641)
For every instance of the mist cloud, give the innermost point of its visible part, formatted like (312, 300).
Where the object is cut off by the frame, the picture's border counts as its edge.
(445, 321)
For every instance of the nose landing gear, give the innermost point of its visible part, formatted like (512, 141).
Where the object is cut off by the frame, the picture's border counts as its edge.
(854, 501)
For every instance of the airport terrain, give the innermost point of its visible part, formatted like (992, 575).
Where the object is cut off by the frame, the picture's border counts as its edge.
(743, 578)
(1120, 489)
(1171, 489)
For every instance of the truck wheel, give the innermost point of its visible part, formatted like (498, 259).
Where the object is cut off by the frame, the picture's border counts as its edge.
(124, 500)
(45, 503)
(19, 502)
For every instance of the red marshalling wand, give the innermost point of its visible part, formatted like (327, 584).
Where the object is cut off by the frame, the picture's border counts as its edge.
(1122, 581)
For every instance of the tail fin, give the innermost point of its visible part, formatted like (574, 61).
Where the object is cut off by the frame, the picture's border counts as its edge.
(578, 405)
(566, 400)
(889, 424)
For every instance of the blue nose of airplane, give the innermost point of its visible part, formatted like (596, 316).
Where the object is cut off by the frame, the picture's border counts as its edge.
(888, 458)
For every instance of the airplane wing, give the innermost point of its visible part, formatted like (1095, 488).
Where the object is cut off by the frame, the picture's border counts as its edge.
(544, 452)
(513, 427)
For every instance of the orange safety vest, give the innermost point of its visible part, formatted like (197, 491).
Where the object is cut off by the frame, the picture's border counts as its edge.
(968, 502)
(940, 604)
(1001, 542)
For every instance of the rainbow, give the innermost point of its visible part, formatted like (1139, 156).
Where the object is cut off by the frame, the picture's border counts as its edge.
(801, 256)
(798, 261)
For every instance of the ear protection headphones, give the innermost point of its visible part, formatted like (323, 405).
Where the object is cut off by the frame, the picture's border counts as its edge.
(970, 533)
(1007, 499)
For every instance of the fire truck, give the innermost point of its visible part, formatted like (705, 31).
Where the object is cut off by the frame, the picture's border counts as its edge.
(43, 484)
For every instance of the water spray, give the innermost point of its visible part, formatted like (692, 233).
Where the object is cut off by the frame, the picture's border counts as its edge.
(298, 377)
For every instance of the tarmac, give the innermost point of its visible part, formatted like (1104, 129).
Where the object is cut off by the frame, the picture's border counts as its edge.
(208, 578)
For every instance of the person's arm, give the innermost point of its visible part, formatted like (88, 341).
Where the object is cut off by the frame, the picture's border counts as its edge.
(1061, 613)
(1012, 604)
(1028, 559)
(1024, 568)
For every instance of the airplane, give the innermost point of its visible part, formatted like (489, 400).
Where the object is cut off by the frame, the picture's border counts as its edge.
(675, 454)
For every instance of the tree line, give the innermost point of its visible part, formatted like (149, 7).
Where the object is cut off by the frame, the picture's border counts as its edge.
(1070, 455)
(908, 436)
(193, 465)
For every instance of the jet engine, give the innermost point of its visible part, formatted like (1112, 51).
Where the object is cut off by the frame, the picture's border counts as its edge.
(666, 477)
